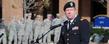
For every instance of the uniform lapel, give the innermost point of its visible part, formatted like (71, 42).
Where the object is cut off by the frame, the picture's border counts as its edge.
(65, 26)
(74, 23)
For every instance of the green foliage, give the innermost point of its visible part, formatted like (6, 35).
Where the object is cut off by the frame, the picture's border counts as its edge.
(100, 31)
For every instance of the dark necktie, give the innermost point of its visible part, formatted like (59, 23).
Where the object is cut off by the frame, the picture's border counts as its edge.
(69, 25)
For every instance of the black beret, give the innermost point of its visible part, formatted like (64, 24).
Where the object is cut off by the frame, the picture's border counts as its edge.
(69, 4)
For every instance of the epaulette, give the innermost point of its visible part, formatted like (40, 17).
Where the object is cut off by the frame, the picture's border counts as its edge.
(81, 19)
(84, 20)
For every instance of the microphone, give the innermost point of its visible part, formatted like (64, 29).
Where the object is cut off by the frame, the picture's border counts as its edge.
(55, 26)
(51, 28)
(1, 35)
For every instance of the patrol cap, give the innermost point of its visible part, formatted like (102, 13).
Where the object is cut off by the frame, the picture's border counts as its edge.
(69, 4)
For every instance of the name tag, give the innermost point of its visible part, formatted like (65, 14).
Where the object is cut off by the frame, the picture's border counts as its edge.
(75, 28)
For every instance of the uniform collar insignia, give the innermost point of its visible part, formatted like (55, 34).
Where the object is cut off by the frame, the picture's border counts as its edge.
(77, 19)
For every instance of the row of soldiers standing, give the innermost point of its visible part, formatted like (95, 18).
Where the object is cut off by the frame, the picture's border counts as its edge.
(24, 31)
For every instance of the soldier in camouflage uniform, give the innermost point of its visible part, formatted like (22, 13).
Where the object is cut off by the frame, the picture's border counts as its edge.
(3, 33)
(38, 28)
(47, 24)
(57, 30)
(21, 30)
(12, 31)
(28, 34)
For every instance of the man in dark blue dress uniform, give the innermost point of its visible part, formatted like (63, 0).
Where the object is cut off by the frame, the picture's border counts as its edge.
(74, 30)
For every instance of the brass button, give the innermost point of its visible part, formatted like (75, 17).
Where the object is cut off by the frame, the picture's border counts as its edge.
(67, 34)
(67, 39)
(67, 43)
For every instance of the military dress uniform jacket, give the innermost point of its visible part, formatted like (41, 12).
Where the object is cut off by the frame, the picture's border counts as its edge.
(78, 32)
